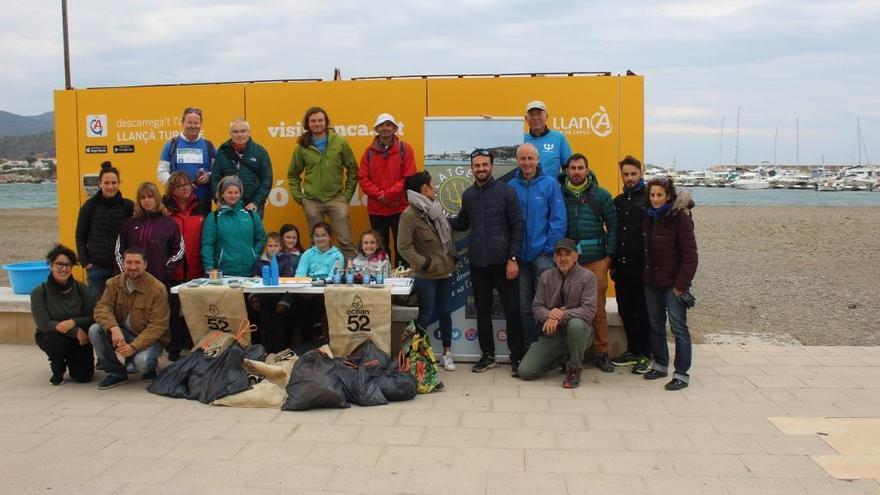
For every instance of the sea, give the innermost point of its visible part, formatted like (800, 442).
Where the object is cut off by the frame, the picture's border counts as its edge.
(44, 196)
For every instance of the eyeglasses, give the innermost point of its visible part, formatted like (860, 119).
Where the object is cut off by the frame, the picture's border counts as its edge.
(61, 265)
(481, 152)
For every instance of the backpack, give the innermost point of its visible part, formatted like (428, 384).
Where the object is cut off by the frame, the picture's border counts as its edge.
(402, 152)
(593, 200)
(172, 152)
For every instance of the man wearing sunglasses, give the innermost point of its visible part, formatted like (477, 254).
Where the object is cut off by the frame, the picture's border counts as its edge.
(552, 145)
(490, 209)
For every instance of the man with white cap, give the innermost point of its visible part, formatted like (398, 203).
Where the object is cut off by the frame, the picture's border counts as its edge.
(552, 146)
(384, 166)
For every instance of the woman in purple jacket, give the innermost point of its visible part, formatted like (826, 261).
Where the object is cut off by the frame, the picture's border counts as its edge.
(670, 265)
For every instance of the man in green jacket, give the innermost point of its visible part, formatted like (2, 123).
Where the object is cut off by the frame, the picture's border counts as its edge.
(323, 176)
(241, 156)
(592, 224)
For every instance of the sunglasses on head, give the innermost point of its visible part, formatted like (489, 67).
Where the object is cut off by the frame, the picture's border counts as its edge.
(481, 152)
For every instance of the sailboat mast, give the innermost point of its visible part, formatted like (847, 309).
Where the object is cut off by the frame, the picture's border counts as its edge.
(797, 141)
(859, 137)
(721, 144)
(775, 137)
(736, 148)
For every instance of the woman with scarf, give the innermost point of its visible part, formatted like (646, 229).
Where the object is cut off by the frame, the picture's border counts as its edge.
(62, 309)
(670, 266)
(426, 243)
(97, 228)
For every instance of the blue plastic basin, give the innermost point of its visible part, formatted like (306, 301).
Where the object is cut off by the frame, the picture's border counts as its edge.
(27, 275)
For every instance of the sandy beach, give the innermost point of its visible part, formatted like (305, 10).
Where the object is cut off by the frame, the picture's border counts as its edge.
(776, 274)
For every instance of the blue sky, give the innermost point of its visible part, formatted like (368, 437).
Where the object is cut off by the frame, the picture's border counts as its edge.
(815, 61)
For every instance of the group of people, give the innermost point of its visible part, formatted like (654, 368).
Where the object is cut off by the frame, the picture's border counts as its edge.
(545, 242)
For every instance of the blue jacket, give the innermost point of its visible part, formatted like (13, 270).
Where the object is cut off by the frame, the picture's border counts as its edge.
(317, 264)
(544, 213)
(553, 150)
(493, 215)
(231, 239)
(287, 264)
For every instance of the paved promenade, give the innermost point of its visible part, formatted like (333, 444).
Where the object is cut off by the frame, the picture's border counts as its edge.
(755, 420)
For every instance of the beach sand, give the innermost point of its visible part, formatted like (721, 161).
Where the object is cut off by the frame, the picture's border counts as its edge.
(767, 274)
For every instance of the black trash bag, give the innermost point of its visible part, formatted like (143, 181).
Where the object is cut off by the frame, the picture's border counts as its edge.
(359, 386)
(314, 384)
(255, 352)
(173, 381)
(397, 385)
(220, 376)
(367, 352)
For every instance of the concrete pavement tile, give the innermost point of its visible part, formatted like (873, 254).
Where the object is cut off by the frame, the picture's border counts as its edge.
(841, 360)
(313, 417)
(777, 395)
(77, 425)
(195, 428)
(27, 391)
(145, 446)
(860, 409)
(391, 435)
(713, 465)
(795, 359)
(808, 425)
(81, 407)
(861, 443)
(190, 409)
(561, 461)
(430, 418)
(522, 438)
(637, 441)
(751, 409)
(332, 454)
(834, 382)
(520, 405)
(78, 468)
(487, 459)
(818, 395)
(865, 381)
(737, 370)
(840, 487)
(789, 370)
(580, 406)
(491, 420)
(849, 467)
(706, 395)
(513, 483)
(134, 410)
(372, 416)
(617, 423)
(464, 376)
(137, 426)
(457, 437)
(419, 403)
(143, 470)
(15, 423)
(368, 480)
(277, 451)
(471, 404)
(168, 489)
(685, 408)
(423, 458)
(540, 392)
(593, 392)
(794, 444)
(492, 391)
(22, 442)
(315, 433)
(588, 440)
(752, 486)
(446, 482)
(214, 473)
(736, 382)
(685, 484)
(848, 371)
(766, 381)
(554, 421)
(640, 406)
(249, 414)
(871, 395)
(627, 463)
(811, 409)
(72, 444)
(744, 358)
(72, 488)
(742, 425)
(260, 431)
(200, 448)
(734, 443)
(589, 484)
(782, 466)
(857, 425)
(680, 424)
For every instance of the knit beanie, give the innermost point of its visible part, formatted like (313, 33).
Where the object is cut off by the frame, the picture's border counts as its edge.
(226, 183)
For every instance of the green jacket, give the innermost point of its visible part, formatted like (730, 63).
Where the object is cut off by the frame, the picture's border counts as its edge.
(232, 240)
(323, 180)
(49, 306)
(254, 169)
(596, 235)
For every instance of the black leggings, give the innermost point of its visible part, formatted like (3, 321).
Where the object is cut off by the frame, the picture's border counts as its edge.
(65, 354)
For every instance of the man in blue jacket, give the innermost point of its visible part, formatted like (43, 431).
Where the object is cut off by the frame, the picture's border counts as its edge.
(552, 145)
(490, 210)
(540, 199)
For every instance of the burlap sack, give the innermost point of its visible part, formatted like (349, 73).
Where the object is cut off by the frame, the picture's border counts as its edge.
(270, 392)
(356, 314)
(208, 308)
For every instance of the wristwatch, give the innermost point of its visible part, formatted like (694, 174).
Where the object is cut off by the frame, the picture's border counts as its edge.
(511, 258)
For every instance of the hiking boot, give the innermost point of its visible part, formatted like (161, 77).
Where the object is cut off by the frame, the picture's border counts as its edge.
(446, 362)
(654, 374)
(572, 379)
(149, 376)
(486, 362)
(56, 379)
(628, 359)
(514, 369)
(642, 366)
(676, 384)
(111, 381)
(604, 363)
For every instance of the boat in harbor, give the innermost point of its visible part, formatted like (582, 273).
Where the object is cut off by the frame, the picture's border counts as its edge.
(751, 180)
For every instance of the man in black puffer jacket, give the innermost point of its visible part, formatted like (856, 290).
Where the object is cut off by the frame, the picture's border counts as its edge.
(490, 209)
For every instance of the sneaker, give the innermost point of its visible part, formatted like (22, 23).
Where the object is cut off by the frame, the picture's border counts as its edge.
(514, 369)
(446, 362)
(111, 381)
(572, 379)
(628, 359)
(642, 366)
(654, 374)
(130, 368)
(604, 363)
(487, 361)
(676, 384)
(149, 376)
(56, 379)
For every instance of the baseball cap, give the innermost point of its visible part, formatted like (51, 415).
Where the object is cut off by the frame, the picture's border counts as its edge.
(565, 244)
(536, 104)
(385, 117)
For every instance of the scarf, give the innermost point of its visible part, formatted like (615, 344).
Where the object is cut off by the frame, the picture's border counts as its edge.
(638, 187)
(61, 288)
(656, 213)
(577, 190)
(432, 210)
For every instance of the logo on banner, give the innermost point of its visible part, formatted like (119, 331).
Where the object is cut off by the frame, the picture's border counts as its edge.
(501, 335)
(453, 182)
(96, 125)
(215, 320)
(471, 334)
(283, 130)
(358, 317)
(597, 124)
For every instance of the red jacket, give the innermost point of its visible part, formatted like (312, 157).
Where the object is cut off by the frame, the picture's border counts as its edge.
(670, 247)
(190, 224)
(381, 172)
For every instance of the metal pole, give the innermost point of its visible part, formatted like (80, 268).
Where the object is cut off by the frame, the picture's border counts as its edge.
(67, 84)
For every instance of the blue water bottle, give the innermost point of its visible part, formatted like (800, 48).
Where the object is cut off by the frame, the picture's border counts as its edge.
(366, 276)
(380, 273)
(273, 270)
(349, 276)
(267, 275)
(337, 273)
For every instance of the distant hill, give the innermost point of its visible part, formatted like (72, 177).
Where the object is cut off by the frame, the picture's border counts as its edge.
(40, 145)
(23, 125)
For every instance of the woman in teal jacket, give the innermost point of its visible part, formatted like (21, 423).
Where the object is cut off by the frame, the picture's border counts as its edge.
(319, 260)
(232, 238)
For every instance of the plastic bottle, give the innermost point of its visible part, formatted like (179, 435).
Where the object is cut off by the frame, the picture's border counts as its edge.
(380, 273)
(273, 270)
(349, 274)
(366, 275)
(267, 275)
(337, 273)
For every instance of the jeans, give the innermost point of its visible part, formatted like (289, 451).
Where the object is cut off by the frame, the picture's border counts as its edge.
(529, 273)
(337, 211)
(483, 280)
(632, 308)
(98, 280)
(145, 360)
(544, 354)
(600, 321)
(661, 301)
(65, 354)
(435, 300)
(387, 226)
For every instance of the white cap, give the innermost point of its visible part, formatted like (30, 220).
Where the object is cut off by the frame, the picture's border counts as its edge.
(385, 117)
(536, 104)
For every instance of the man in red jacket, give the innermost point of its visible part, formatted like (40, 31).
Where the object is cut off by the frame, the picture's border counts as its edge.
(384, 166)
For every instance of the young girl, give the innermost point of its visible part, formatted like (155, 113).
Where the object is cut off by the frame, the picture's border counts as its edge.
(319, 260)
(670, 265)
(274, 329)
(371, 254)
(290, 243)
